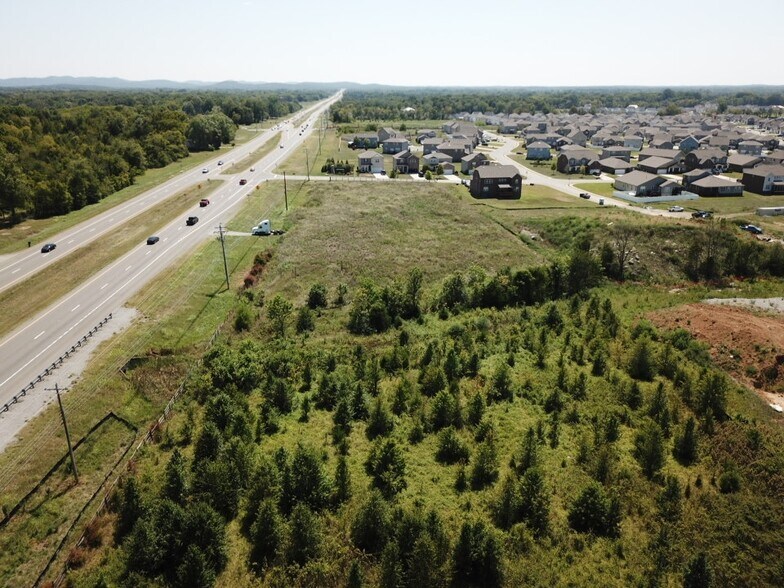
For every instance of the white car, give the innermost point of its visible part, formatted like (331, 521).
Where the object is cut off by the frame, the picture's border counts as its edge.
(204, 170)
(675, 209)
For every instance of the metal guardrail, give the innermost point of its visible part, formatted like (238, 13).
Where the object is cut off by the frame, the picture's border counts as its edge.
(56, 364)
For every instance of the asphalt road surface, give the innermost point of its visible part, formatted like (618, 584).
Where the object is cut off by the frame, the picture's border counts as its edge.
(31, 348)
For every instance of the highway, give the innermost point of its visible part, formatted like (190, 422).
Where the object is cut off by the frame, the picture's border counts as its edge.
(30, 349)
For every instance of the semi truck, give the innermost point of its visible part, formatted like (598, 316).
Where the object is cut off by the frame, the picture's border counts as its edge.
(263, 228)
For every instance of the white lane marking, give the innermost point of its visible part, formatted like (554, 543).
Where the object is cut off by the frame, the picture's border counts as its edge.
(129, 267)
(104, 286)
(16, 270)
(75, 307)
(165, 239)
(93, 229)
(179, 228)
(148, 252)
(38, 335)
(71, 241)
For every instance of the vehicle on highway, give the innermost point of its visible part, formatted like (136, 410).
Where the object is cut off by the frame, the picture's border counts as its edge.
(243, 181)
(601, 201)
(701, 214)
(675, 209)
(205, 170)
(281, 146)
(153, 239)
(204, 202)
(253, 169)
(752, 229)
(192, 220)
(585, 195)
(48, 247)
(220, 162)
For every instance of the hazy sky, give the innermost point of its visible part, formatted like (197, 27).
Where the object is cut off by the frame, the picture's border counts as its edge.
(461, 42)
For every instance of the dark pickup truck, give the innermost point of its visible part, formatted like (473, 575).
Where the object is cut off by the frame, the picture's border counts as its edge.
(192, 220)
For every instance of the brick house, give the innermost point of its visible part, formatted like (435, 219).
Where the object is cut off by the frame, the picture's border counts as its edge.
(496, 181)
(406, 162)
(572, 160)
(713, 186)
(764, 179)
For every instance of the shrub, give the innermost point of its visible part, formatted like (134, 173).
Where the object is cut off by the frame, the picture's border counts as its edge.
(317, 296)
(450, 448)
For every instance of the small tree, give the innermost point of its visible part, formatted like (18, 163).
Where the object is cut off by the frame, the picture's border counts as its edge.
(685, 446)
(485, 469)
(278, 312)
(305, 536)
(175, 486)
(371, 528)
(642, 365)
(266, 534)
(649, 449)
(477, 557)
(387, 467)
(698, 573)
(594, 512)
(305, 320)
(380, 421)
(317, 296)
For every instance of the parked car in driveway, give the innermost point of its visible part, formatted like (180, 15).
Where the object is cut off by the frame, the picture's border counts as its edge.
(153, 239)
(192, 220)
(675, 209)
(48, 247)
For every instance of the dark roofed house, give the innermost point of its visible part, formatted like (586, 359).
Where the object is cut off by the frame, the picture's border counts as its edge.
(572, 160)
(640, 183)
(737, 162)
(406, 162)
(538, 150)
(659, 165)
(496, 181)
(714, 186)
(655, 152)
(619, 151)
(776, 156)
(750, 148)
(710, 158)
(386, 133)
(764, 179)
(615, 166)
(364, 141)
(431, 144)
(394, 145)
(472, 161)
(694, 175)
(456, 148)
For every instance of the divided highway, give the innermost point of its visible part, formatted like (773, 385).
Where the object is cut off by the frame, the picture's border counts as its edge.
(30, 349)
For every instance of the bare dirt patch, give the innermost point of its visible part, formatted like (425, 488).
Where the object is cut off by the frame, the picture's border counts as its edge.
(749, 345)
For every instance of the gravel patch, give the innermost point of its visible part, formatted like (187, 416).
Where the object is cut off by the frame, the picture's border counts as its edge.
(768, 304)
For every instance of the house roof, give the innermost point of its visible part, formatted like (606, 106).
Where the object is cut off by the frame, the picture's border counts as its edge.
(615, 162)
(369, 154)
(539, 145)
(709, 153)
(743, 160)
(472, 156)
(657, 162)
(714, 182)
(496, 171)
(395, 140)
(765, 170)
(438, 155)
(638, 178)
(403, 155)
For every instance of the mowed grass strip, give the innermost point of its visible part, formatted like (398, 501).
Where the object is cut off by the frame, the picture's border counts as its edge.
(54, 281)
(254, 156)
(315, 153)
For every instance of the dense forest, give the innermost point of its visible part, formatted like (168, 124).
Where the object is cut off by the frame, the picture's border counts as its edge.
(486, 430)
(63, 150)
(441, 104)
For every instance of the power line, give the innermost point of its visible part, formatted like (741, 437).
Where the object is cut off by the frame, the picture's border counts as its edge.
(67, 434)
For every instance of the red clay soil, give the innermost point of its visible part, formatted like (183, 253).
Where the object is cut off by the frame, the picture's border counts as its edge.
(748, 345)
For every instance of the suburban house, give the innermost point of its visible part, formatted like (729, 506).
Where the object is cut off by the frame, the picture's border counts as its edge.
(449, 168)
(538, 150)
(710, 158)
(660, 142)
(406, 162)
(370, 162)
(689, 144)
(656, 152)
(714, 186)
(364, 141)
(394, 145)
(750, 148)
(776, 156)
(423, 134)
(436, 158)
(471, 161)
(496, 181)
(764, 179)
(431, 144)
(619, 151)
(640, 183)
(456, 148)
(572, 160)
(660, 165)
(387, 133)
(737, 162)
(615, 166)
(694, 175)
(633, 142)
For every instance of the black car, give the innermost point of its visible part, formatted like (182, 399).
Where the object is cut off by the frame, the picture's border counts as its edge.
(192, 220)
(153, 239)
(48, 247)
(585, 195)
(701, 214)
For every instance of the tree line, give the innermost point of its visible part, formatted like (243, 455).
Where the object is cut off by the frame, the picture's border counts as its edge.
(63, 150)
(438, 104)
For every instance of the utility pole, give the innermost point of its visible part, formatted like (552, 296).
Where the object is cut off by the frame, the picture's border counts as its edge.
(307, 162)
(221, 232)
(67, 434)
(285, 192)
